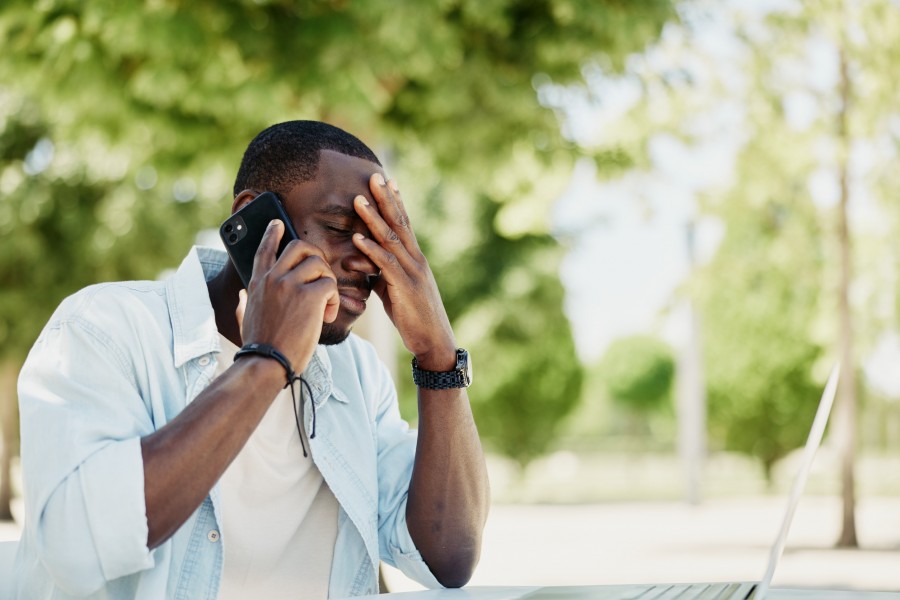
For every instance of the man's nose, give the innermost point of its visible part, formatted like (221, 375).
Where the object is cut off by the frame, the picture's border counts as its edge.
(356, 261)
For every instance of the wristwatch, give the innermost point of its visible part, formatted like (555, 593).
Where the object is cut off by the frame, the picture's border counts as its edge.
(459, 377)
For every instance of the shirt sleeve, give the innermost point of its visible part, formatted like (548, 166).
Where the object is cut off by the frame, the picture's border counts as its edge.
(81, 420)
(396, 453)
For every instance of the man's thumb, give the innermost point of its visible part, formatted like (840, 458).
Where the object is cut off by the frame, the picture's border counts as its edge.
(241, 307)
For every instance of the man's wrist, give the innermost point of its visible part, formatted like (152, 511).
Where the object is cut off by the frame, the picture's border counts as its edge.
(268, 351)
(459, 376)
(440, 357)
(262, 370)
(443, 359)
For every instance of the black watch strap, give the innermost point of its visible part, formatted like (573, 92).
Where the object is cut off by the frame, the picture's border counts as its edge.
(459, 377)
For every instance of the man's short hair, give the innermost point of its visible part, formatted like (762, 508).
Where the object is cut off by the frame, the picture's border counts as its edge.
(286, 154)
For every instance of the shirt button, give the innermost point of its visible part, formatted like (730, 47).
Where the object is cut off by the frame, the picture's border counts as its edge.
(213, 536)
(204, 360)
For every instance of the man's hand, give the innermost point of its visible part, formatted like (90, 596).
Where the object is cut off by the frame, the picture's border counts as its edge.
(448, 495)
(288, 299)
(406, 287)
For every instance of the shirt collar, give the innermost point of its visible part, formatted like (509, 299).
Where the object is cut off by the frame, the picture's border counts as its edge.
(318, 374)
(194, 331)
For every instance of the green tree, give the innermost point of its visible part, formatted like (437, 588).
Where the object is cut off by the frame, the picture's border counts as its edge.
(854, 116)
(512, 309)
(831, 91)
(812, 85)
(759, 297)
(58, 231)
(638, 372)
(148, 105)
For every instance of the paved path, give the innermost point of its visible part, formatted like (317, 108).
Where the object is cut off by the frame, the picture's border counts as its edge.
(671, 542)
(720, 540)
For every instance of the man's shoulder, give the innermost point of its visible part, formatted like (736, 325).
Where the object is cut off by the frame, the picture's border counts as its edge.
(102, 302)
(142, 298)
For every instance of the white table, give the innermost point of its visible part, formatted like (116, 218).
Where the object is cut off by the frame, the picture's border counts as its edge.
(611, 592)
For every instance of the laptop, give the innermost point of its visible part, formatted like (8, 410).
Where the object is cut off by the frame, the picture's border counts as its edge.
(716, 591)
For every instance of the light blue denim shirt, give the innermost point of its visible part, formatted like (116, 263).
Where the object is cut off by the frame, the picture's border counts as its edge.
(118, 361)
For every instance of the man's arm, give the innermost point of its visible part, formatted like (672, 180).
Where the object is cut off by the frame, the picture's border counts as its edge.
(184, 459)
(449, 494)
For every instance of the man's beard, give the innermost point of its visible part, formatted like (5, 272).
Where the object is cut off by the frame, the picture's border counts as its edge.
(332, 334)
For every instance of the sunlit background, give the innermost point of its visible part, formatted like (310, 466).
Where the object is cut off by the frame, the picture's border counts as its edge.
(656, 225)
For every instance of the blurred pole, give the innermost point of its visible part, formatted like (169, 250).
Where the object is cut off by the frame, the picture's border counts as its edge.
(845, 421)
(691, 394)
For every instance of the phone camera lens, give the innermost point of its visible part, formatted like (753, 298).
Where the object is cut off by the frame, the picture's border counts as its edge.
(229, 228)
(232, 238)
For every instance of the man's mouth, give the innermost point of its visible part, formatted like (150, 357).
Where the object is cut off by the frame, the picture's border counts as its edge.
(353, 299)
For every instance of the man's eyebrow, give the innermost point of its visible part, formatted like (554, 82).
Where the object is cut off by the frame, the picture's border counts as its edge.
(338, 210)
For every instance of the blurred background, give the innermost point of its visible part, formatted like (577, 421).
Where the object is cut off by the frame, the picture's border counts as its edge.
(656, 225)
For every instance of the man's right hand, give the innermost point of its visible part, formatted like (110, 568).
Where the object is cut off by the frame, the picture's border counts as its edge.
(289, 298)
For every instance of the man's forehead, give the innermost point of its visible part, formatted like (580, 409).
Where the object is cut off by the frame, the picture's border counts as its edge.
(333, 164)
(339, 179)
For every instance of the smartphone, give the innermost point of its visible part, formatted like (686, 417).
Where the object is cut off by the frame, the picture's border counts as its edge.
(243, 231)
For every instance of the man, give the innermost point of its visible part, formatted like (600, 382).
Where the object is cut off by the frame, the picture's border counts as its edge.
(159, 464)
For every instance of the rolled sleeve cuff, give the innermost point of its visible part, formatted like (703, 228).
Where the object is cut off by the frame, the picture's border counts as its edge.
(113, 484)
(409, 561)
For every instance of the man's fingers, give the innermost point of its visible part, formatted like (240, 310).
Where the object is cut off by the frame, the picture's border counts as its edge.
(401, 208)
(391, 209)
(386, 261)
(327, 287)
(375, 222)
(404, 253)
(332, 305)
(309, 270)
(268, 247)
(294, 254)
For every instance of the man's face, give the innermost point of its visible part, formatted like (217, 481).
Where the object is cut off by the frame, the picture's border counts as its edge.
(323, 215)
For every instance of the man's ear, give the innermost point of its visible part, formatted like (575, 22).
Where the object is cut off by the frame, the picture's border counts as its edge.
(242, 199)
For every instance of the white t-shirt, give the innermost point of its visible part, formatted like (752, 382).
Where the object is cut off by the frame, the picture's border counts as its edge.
(279, 518)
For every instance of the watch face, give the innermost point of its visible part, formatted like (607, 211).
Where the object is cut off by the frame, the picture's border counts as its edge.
(464, 364)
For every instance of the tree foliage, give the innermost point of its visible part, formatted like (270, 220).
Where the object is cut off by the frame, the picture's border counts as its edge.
(60, 230)
(147, 107)
(760, 298)
(805, 92)
(531, 378)
(638, 372)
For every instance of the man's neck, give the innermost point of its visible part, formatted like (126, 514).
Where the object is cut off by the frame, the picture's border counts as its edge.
(223, 294)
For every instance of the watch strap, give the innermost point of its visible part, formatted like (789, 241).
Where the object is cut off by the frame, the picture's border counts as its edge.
(443, 380)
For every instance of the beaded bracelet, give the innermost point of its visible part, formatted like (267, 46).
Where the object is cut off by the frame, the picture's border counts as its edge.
(271, 352)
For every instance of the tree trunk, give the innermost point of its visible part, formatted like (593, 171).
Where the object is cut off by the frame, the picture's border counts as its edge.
(9, 438)
(845, 422)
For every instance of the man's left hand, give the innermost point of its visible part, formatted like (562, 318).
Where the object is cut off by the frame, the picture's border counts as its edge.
(406, 287)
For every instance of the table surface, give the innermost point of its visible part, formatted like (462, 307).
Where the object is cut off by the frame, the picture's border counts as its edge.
(612, 592)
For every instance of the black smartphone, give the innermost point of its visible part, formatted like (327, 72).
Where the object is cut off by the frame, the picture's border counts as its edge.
(243, 231)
